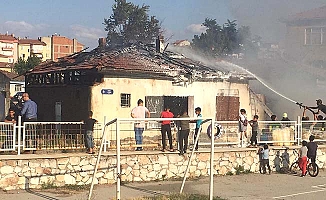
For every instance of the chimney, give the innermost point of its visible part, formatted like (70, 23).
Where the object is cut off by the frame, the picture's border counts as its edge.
(102, 42)
(160, 44)
(74, 45)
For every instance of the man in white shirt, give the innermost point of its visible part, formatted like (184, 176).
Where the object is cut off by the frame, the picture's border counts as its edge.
(139, 112)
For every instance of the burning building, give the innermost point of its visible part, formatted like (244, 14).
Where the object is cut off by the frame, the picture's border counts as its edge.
(109, 81)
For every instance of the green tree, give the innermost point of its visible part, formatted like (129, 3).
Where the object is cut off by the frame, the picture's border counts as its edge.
(221, 40)
(23, 66)
(131, 23)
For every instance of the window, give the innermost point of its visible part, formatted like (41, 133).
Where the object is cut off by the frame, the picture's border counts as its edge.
(18, 88)
(315, 36)
(125, 100)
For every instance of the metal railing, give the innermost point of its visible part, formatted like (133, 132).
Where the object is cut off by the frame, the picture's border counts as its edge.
(53, 135)
(279, 133)
(7, 136)
(316, 128)
(70, 135)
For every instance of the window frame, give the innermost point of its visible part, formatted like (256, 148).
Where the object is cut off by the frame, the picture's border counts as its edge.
(125, 99)
(311, 31)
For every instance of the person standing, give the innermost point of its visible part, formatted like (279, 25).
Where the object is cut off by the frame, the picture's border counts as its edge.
(29, 110)
(243, 123)
(198, 124)
(88, 136)
(303, 158)
(265, 159)
(254, 125)
(29, 113)
(184, 133)
(139, 112)
(166, 128)
(312, 149)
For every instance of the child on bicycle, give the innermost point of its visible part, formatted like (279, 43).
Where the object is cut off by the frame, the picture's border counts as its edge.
(312, 149)
(303, 158)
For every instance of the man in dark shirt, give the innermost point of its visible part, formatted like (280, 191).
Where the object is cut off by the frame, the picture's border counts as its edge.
(10, 118)
(88, 136)
(320, 106)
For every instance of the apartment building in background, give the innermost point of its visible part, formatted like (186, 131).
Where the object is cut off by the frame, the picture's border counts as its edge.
(32, 47)
(61, 46)
(305, 37)
(8, 51)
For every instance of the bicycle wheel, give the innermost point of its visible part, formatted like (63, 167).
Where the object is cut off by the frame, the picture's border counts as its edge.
(313, 169)
(295, 169)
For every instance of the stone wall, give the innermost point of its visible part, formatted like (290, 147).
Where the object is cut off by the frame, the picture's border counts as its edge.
(31, 171)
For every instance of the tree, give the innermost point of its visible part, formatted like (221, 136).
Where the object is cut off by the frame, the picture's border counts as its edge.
(23, 66)
(131, 23)
(221, 40)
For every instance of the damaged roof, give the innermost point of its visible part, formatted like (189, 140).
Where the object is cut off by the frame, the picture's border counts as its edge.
(137, 60)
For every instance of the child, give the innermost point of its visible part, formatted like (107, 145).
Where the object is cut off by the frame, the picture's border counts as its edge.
(260, 154)
(312, 149)
(198, 124)
(277, 162)
(243, 122)
(254, 125)
(265, 159)
(88, 136)
(303, 158)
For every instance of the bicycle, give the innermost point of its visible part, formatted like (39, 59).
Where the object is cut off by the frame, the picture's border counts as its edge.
(312, 168)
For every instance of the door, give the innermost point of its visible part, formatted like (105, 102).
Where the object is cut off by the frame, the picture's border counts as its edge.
(227, 108)
(176, 104)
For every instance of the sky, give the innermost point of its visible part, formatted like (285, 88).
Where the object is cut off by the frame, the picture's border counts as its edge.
(181, 19)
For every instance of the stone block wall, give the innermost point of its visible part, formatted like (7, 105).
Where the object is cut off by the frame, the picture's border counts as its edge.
(29, 171)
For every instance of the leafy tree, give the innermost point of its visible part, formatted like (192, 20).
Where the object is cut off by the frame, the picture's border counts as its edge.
(23, 66)
(130, 23)
(221, 40)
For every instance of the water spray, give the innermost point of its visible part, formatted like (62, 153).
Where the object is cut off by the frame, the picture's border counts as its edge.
(261, 81)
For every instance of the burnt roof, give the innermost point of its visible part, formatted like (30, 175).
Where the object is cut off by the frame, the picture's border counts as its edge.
(134, 59)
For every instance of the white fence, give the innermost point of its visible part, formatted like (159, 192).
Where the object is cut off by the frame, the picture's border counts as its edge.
(7, 136)
(70, 135)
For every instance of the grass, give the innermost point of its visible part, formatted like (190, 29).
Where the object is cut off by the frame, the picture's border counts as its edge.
(238, 170)
(50, 185)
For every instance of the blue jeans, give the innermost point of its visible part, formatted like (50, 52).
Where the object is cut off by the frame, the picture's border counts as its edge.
(139, 135)
(89, 139)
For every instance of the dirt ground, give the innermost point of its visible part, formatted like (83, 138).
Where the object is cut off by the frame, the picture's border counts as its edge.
(236, 187)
